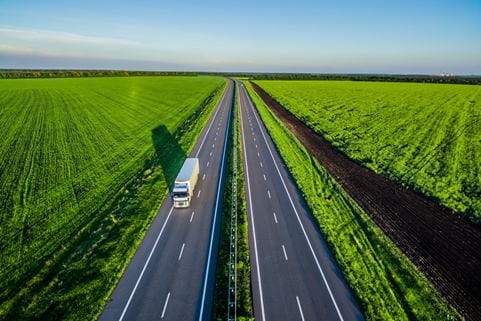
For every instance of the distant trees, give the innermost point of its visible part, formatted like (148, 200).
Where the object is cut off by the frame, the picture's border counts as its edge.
(16, 73)
(468, 80)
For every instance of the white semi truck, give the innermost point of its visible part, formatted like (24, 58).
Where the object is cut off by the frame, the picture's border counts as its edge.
(185, 183)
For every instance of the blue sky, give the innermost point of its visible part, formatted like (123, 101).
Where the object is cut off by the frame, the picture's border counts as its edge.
(275, 36)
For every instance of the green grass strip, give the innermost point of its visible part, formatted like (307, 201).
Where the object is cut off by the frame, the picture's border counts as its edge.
(244, 300)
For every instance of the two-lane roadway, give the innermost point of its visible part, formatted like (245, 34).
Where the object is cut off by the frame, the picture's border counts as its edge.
(171, 276)
(294, 275)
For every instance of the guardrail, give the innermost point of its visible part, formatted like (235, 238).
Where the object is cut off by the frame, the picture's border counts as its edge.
(232, 293)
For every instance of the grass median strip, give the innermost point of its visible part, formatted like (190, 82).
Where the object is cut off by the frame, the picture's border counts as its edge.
(386, 284)
(244, 302)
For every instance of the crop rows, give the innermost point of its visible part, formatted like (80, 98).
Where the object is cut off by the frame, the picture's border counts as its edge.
(426, 136)
(68, 148)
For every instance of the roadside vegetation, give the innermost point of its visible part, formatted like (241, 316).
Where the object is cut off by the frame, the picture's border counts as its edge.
(244, 300)
(425, 136)
(386, 284)
(85, 164)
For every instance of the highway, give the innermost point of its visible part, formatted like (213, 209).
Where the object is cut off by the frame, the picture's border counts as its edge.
(294, 275)
(172, 274)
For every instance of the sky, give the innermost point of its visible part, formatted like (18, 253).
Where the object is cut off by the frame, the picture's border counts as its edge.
(346, 36)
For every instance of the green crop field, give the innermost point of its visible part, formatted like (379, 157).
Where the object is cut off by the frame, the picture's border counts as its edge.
(84, 163)
(426, 136)
(386, 284)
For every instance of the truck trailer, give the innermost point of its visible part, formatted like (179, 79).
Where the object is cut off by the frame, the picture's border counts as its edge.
(185, 183)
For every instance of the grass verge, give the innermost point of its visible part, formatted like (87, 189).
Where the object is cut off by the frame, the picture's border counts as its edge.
(244, 301)
(384, 281)
(76, 282)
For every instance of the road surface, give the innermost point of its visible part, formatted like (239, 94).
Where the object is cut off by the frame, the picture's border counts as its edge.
(172, 274)
(294, 275)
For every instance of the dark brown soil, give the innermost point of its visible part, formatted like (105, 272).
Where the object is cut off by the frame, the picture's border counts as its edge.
(445, 247)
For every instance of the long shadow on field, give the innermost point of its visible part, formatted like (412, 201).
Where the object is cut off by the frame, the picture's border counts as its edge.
(168, 152)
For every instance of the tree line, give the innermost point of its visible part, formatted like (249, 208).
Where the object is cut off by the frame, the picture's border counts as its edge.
(35, 73)
(468, 80)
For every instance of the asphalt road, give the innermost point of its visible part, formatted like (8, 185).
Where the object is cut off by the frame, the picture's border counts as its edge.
(172, 274)
(294, 275)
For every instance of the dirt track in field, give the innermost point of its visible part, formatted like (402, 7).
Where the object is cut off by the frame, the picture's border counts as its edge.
(445, 247)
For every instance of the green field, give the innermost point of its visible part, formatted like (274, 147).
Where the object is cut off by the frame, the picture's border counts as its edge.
(386, 284)
(84, 163)
(426, 136)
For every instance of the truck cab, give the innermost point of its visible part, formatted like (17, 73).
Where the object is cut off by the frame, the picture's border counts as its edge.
(181, 196)
(185, 182)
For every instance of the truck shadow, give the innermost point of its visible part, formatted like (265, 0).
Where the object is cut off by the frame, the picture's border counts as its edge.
(169, 154)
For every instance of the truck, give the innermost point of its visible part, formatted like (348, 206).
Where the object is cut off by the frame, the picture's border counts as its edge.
(184, 184)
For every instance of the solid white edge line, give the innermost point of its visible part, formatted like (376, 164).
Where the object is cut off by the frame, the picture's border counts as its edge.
(181, 251)
(168, 216)
(165, 305)
(300, 308)
(145, 266)
(297, 215)
(285, 253)
(252, 217)
(201, 315)
(213, 119)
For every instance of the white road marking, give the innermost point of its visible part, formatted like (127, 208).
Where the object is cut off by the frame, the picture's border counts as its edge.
(208, 164)
(256, 145)
(165, 305)
(298, 218)
(258, 155)
(212, 122)
(254, 139)
(265, 177)
(145, 265)
(210, 154)
(198, 194)
(275, 217)
(181, 251)
(167, 219)
(191, 216)
(211, 241)
(284, 250)
(300, 308)
(258, 270)
(261, 165)
(269, 193)
(215, 138)
(203, 177)
(213, 145)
